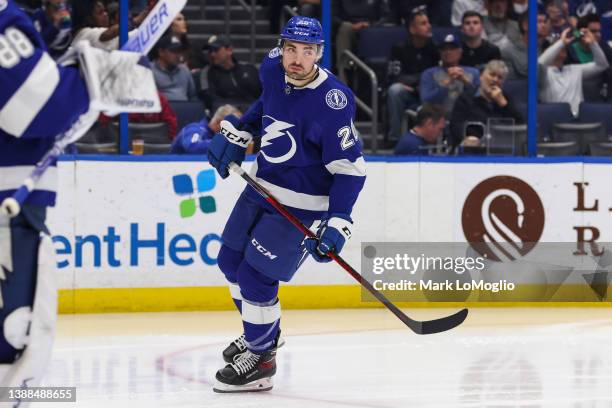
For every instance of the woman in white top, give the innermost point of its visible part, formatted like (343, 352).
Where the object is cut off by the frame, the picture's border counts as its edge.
(90, 22)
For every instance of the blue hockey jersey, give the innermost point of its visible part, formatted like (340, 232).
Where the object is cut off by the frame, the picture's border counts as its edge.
(310, 156)
(38, 100)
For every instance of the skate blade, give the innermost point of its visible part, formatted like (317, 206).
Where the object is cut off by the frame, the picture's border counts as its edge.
(263, 384)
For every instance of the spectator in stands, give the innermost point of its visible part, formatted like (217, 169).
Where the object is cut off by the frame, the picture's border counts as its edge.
(166, 115)
(488, 101)
(579, 50)
(514, 54)
(350, 17)
(226, 80)
(544, 31)
(429, 125)
(558, 13)
(91, 22)
(179, 29)
(597, 88)
(54, 23)
(563, 83)
(499, 27)
(408, 60)
(309, 8)
(195, 137)
(519, 7)
(442, 85)
(172, 78)
(460, 7)
(438, 11)
(476, 51)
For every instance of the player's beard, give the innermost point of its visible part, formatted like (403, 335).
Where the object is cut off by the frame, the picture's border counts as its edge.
(302, 79)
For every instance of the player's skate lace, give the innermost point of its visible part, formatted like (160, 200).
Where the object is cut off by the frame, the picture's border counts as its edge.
(240, 342)
(245, 362)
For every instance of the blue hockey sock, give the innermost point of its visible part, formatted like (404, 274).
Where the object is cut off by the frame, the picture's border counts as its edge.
(261, 310)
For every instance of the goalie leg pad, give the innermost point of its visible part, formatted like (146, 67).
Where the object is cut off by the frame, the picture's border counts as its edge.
(16, 327)
(29, 368)
(18, 280)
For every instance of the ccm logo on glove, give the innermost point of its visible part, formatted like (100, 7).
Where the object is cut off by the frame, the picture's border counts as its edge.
(235, 136)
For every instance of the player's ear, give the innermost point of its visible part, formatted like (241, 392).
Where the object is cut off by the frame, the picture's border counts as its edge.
(319, 52)
(280, 45)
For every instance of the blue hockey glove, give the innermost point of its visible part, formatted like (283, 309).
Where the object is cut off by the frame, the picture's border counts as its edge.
(332, 234)
(229, 145)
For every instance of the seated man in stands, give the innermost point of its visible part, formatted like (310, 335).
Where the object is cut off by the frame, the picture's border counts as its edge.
(476, 50)
(500, 29)
(428, 128)
(195, 137)
(442, 85)
(563, 83)
(226, 80)
(408, 60)
(172, 78)
(488, 101)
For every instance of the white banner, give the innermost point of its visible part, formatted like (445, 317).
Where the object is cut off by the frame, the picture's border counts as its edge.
(132, 224)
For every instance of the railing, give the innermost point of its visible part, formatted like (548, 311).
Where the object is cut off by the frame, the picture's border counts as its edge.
(372, 112)
(252, 10)
(249, 8)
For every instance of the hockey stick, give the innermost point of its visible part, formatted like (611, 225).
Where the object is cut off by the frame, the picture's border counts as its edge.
(142, 41)
(419, 327)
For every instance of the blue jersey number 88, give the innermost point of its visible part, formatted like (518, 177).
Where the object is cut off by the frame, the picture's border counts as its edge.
(14, 46)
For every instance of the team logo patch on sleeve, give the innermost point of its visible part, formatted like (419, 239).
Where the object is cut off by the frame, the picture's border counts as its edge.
(274, 52)
(336, 99)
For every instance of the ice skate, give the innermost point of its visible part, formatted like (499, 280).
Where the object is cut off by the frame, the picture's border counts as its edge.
(239, 346)
(249, 373)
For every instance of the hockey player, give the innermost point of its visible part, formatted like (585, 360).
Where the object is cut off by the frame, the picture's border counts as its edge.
(38, 100)
(311, 161)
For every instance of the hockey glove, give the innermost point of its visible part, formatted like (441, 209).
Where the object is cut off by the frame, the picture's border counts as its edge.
(332, 234)
(229, 145)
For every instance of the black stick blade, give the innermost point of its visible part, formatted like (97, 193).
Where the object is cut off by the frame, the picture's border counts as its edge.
(439, 325)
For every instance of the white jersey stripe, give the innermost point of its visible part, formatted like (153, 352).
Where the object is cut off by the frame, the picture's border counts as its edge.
(347, 167)
(295, 199)
(30, 98)
(292, 198)
(13, 177)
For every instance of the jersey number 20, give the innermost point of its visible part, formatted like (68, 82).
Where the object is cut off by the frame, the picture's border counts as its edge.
(14, 46)
(345, 133)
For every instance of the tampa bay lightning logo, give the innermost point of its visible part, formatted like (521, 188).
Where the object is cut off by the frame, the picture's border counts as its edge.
(274, 52)
(277, 144)
(3, 4)
(336, 99)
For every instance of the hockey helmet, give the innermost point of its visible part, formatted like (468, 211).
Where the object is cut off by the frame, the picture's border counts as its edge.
(303, 29)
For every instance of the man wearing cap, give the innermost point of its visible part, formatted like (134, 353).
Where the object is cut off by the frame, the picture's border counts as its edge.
(226, 80)
(172, 78)
(442, 85)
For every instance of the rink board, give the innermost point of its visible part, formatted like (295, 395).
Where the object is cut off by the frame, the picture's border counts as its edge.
(142, 233)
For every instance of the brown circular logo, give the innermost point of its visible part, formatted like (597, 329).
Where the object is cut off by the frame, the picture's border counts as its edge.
(503, 218)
